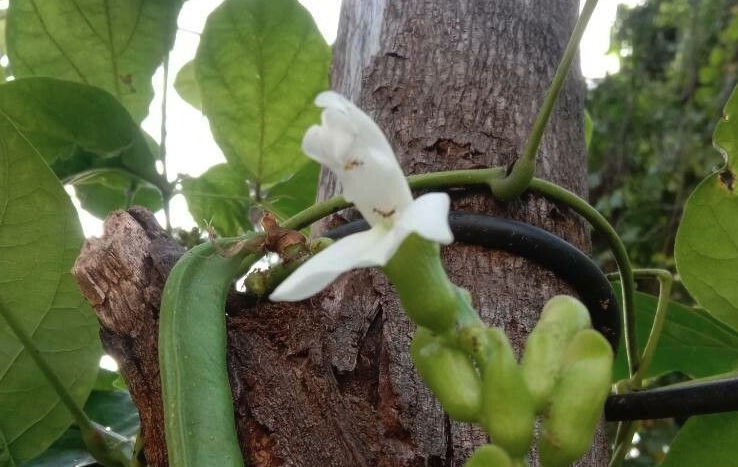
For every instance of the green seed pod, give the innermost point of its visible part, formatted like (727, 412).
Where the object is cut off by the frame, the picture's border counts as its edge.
(198, 408)
(489, 455)
(426, 294)
(507, 414)
(450, 374)
(577, 400)
(567, 309)
(562, 317)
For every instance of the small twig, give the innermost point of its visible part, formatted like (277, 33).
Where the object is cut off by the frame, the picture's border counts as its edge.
(163, 143)
(251, 242)
(130, 193)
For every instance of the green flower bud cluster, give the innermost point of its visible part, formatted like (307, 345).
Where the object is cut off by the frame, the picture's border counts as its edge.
(564, 377)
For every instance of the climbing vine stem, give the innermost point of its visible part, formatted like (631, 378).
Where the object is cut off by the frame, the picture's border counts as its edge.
(626, 430)
(521, 174)
(551, 191)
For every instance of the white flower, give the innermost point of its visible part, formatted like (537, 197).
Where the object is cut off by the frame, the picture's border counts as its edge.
(352, 146)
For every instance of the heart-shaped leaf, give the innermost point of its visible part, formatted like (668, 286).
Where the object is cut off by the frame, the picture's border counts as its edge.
(691, 341)
(87, 138)
(219, 198)
(705, 440)
(706, 249)
(114, 45)
(186, 85)
(287, 198)
(259, 67)
(40, 237)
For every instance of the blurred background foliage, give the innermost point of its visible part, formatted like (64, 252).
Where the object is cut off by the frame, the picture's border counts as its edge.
(652, 137)
(653, 121)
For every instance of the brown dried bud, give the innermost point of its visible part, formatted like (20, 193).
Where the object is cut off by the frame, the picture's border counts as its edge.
(288, 244)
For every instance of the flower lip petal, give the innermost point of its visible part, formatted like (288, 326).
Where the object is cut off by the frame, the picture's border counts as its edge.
(373, 247)
(428, 217)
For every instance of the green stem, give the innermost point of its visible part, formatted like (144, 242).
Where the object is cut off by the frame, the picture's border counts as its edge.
(665, 282)
(166, 197)
(622, 448)
(454, 178)
(160, 184)
(627, 284)
(625, 430)
(261, 283)
(130, 193)
(316, 212)
(93, 436)
(139, 457)
(417, 182)
(163, 128)
(249, 261)
(167, 213)
(522, 171)
(551, 191)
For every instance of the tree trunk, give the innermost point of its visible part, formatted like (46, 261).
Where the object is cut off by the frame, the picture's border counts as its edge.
(456, 84)
(328, 381)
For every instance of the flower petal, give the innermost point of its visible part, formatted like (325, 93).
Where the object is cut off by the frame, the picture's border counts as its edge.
(367, 129)
(428, 217)
(332, 99)
(350, 144)
(331, 141)
(373, 247)
(380, 192)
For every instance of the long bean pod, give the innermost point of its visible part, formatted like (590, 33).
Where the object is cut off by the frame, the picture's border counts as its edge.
(198, 406)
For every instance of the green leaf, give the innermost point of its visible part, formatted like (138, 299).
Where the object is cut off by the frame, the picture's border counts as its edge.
(219, 197)
(87, 137)
(706, 249)
(705, 440)
(287, 198)
(109, 408)
(186, 85)
(40, 238)
(260, 65)
(691, 342)
(108, 191)
(114, 45)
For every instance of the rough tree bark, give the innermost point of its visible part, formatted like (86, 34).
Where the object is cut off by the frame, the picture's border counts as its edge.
(456, 84)
(328, 381)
